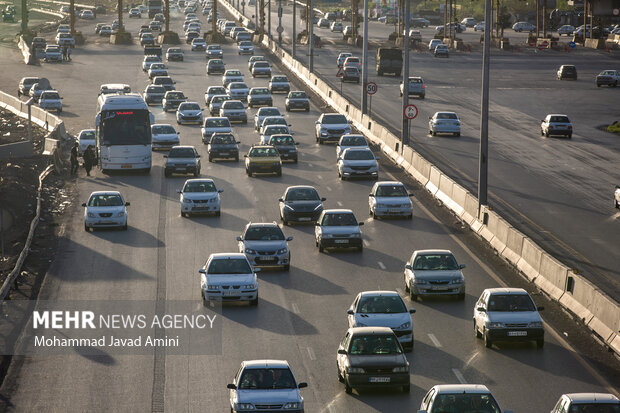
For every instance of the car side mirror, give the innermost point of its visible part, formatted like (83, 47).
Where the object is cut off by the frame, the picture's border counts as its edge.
(481, 309)
(239, 238)
(238, 142)
(377, 157)
(179, 191)
(165, 156)
(350, 122)
(350, 312)
(127, 203)
(220, 191)
(323, 199)
(245, 156)
(289, 239)
(83, 204)
(371, 195)
(342, 351)
(408, 267)
(412, 311)
(317, 122)
(302, 385)
(410, 194)
(462, 266)
(360, 223)
(197, 156)
(540, 308)
(202, 271)
(231, 386)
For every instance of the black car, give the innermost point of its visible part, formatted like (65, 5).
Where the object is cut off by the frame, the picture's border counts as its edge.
(172, 99)
(567, 72)
(154, 94)
(297, 99)
(350, 74)
(223, 146)
(300, 204)
(372, 357)
(216, 66)
(286, 147)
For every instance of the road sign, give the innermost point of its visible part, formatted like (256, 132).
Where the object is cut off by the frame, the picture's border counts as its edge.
(572, 45)
(280, 29)
(371, 88)
(411, 111)
(543, 45)
(615, 12)
(340, 73)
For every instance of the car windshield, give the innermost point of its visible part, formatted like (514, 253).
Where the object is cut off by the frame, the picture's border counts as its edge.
(381, 304)
(229, 266)
(334, 119)
(282, 140)
(199, 186)
(335, 220)
(263, 152)
(279, 79)
(87, 135)
(446, 116)
(510, 302)
(189, 106)
(181, 153)
(216, 90)
(231, 104)
(164, 81)
(257, 58)
(155, 89)
(217, 123)
(105, 200)
(259, 91)
(162, 129)
(275, 129)
(50, 95)
(174, 51)
(216, 62)
(353, 141)
(435, 262)
(374, 344)
(302, 194)
(223, 139)
(261, 233)
(358, 155)
(233, 73)
(560, 119)
(276, 378)
(274, 120)
(465, 403)
(353, 60)
(595, 408)
(391, 190)
(245, 43)
(219, 99)
(175, 95)
(158, 66)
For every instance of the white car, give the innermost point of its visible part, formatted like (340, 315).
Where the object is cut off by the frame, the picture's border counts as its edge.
(444, 122)
(164, 136)
(238, 90)
(85, 137)
(567, 29)
(331, 127)
(87, 15)
(383, 309)
(449, 398)
(63, 28)
(350, 141)
(65, 39)
(214, 51)
(273, 120)
(262, 113)
(105, 209)
(587, 402)
(508, 314)
(265, 383)
(265, 245)
(199, 44)
(434, 272)
(433, 44)
(231, 75)
(245, 47)
(213, 91)
(479, 27)
(234, 111)
(338, 228)
(50, 100)
(189, 112)
(269, 131)
(228, 277)
(342, 57)
(336, 27)
(556, 125)
(149, 60)
(523, 27)
(358, 163)
(157, 69)
(200, 196)
(390, 198)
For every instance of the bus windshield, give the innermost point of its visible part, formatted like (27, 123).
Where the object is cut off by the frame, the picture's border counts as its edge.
(126, 127)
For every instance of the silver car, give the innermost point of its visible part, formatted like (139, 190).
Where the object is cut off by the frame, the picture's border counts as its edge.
(50, 100)
(350, 141)
(216, 104)
(261, 69)
(182, 160)
(231, 75)
(214, 125)
(213, 91)
(234, 111)
(587, 402)
(264, 112)
(264, 244)
(338, 228)
(238, 90)
(358, 163)
(200, 196)
(390, 198)
(164, 136)
(105, 209)
(434, 272)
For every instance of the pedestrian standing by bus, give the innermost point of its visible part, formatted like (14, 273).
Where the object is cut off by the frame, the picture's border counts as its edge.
(89, 159)
(74, 159)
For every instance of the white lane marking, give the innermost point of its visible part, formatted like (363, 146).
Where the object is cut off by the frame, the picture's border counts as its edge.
(319, 176)
(311, 353)
(365, 243)
(381, 265)
(434, 340)
(328, 188)
(310, 165)
(501, 283)
(459, 376)
(295, 308)
(339, 203)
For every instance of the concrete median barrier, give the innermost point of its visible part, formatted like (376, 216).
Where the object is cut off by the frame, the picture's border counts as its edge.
(529, 263)
(553, 276)
(471, 211)
(498, 226)
(514, 246)
(432, 185)
(484, 231)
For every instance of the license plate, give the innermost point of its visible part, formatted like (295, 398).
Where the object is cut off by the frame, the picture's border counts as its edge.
(267, 259)
(517, 333)
(126, 166)
(224, 153)
(232, 292)
(379, 379)
(181, 169)
(393, 211)
(341, 241)
(306, 219)
(436, 288)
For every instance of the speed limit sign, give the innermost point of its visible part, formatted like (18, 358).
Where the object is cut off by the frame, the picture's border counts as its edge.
(411, 111)
(371, 88)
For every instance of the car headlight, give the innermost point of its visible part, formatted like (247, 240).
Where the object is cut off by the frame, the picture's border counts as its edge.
(355, 370)
(292, 405)
(318, 207)
(405, 326)
(288, 207)
(356, 235)
(185, 200)
(120, 214)
(276, 163)
(495, 325)
(402, 369)
(250, 286)
(250, 251)
(536, 324)
(419, 281)
(282, 251)
(456, 281)
(213, 287)
(245, 406)
(327, 235)
(90, 215)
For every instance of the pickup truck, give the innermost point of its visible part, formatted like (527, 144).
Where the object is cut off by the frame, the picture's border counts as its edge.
(608, 77)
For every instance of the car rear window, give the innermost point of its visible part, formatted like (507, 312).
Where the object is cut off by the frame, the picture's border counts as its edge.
(217, 123)
(559, 119)
(259, 91)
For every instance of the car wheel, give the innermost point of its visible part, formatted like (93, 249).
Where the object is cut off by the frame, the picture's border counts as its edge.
(321, 248)
(86, 226)
(196, 174)
(570, 136)
(422, 96)
(347, 388)
(433, 133)
(616, 204)
(457, 134)
(598, 85)
(410, 217)
(615, 84)
(205, 301)
(360, 248)
(237, 158)
(461, 297)
(218, 213)
(166, 174)
(210, 158)
(542, 132)
(279, 173)
(374, 215)
(308, 109)
(287, 266)
(288, 109)
(124, 227)
(540, 343)
(487, 341)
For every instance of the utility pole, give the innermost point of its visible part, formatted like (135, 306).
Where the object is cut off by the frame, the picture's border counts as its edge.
(445, 17)
(405, 125)
(483, 158)
(72, 16)
(280, 23)
(354, 18)
(262, 17)
(269, 19)
(256, 26)
(311, 38)
(294, 27)
(538, 18)
(167, 13)
(364, 99)
(544, 19)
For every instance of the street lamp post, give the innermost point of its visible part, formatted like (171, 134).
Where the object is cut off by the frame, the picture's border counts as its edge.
(483, 157)
(365, 61)
(405, 126)
(311, 38)
(294, 27)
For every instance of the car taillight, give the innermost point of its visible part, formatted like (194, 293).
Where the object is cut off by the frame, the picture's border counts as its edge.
(423, 86)
(550, 126)
(570, 127)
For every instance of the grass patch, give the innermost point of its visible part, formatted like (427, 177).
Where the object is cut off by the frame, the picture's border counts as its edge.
(614, 128)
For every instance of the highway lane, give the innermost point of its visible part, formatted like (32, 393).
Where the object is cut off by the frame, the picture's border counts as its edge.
(301, 314)
(552, 189)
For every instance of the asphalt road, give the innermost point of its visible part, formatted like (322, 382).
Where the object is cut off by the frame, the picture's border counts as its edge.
(557, 191)
(301, 316)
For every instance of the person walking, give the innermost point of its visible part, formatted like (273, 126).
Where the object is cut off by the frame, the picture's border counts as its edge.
(74, 159)
(89, 159)
(64, 53)
(69, 53)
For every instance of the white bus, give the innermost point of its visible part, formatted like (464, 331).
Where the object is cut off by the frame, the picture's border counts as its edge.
(123, 132)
